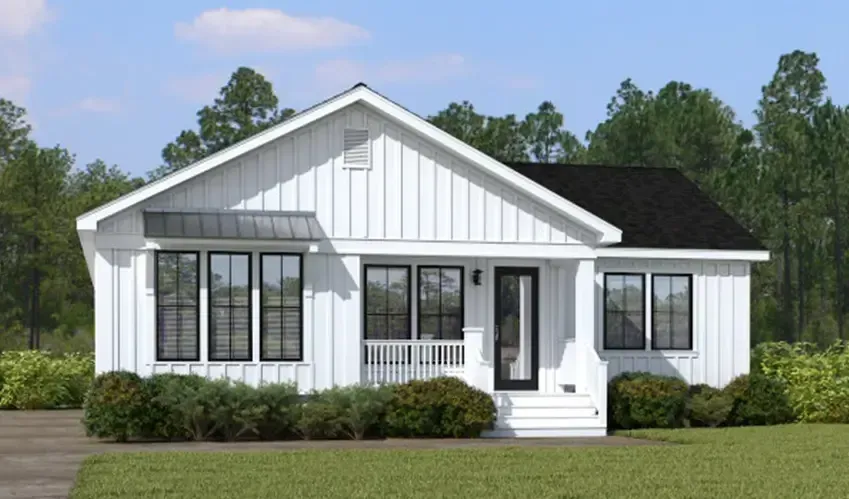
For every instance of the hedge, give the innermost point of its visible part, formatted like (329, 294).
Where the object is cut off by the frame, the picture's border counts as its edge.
(33, 379)
(124, 406)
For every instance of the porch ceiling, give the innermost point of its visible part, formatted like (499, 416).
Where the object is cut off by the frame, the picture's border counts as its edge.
(231, 224)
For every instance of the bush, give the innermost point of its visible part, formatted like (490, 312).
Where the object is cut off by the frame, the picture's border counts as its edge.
(758, 400)
(279, 410)
(319, 417)
(115, 406)
(162, 419)
(441, 407)
(645, 400)
(708, 406)
(205, 409)
(361, 409)
(36, 380)
(817, 381)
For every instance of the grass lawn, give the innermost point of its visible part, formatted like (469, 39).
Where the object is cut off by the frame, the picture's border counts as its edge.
(788, 461)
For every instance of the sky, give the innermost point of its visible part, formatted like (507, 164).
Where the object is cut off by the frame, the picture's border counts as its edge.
(118, 80)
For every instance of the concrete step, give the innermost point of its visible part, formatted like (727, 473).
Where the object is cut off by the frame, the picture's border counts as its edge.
(534, 399)
(590, 431)
(518, 423)
(547, 412)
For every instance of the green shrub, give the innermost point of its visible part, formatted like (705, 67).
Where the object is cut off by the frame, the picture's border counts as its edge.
(645, 400)
(817, 381)
(204, 408)
(163, 419)
(361, 409)
(279, 410)
(320, 417)
(758, 400)
(440, 407)
(708, 406)
(115, 406)
(36, 380)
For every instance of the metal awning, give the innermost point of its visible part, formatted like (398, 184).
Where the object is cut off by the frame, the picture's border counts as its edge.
(231, 224)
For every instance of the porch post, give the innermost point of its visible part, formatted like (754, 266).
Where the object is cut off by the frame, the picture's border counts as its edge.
(585, 311)
(474, 370)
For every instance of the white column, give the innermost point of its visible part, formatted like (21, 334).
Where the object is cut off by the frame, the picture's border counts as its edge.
(349, 345)
(475, 372)
(585, 310)
(104, 308)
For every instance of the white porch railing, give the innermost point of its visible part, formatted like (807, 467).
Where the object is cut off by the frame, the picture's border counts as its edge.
(596, 376)
(399, 361)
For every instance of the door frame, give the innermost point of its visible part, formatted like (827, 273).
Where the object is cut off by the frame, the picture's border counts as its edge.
(531, 384)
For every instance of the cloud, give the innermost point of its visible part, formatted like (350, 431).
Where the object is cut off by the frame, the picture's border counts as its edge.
(15, 87)
(102, 105)
(432, 69)
(19, 18)
(266, 30)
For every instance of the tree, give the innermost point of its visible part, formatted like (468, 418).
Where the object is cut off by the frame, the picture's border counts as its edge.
(14, 130)
(547, 140)
(246, 106)
(497, 137)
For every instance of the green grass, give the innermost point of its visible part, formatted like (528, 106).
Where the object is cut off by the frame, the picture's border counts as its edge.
(789, 461)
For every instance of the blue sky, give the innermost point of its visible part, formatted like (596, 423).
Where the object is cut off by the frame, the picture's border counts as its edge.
(118, 80)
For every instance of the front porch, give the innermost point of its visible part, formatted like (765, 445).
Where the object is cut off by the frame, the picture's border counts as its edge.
(527, 337)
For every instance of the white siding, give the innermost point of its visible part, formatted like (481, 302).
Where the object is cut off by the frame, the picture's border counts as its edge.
(126, 336)
(413, 190)
(720, 322)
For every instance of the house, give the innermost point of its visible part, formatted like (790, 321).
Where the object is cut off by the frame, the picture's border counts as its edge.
(357, 243)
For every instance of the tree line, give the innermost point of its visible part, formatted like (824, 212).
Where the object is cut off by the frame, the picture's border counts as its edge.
(786, 178)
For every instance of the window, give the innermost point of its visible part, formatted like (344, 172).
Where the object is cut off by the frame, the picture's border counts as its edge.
(387, 302)
(281, 307)
(440, 303)
(177, 312)
(230, 306)
(624, 312)
(672, 316)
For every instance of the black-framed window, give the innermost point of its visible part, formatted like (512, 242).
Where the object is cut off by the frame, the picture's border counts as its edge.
(230, 306)
(387, 302)
(441, 302)
(672, 312)
(624, 312)
(281, 307)
(177, 297)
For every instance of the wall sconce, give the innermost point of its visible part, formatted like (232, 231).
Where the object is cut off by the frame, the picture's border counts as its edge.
(476, 277)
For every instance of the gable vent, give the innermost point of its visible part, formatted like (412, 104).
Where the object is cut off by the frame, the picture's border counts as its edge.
(356, 148)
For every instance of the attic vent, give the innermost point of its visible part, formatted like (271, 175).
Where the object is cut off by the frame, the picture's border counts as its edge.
(356, 148)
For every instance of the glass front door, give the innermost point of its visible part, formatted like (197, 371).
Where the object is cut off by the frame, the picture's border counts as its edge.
(516, 332)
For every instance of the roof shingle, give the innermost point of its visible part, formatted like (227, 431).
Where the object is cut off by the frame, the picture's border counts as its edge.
(654, 207)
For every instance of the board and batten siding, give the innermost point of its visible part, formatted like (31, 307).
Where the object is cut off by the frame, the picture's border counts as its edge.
(126, 328)
(413, 189)
(721, 318)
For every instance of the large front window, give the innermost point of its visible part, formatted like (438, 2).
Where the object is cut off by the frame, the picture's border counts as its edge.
(230, 306)
(440, 303)
(624, 312)
(387, 302)
(281, 307)
(672, 312)
(177, 306)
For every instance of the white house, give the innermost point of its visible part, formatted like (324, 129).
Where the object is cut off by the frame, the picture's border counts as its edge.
(355, 242)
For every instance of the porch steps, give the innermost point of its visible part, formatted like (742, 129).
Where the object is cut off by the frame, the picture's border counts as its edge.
(540, 415)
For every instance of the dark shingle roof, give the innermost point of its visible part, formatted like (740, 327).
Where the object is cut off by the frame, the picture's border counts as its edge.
(654, 207)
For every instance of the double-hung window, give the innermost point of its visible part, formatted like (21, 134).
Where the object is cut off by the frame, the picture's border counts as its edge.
(672, 312)
(230, 307)
(177, 305)
(624, 312)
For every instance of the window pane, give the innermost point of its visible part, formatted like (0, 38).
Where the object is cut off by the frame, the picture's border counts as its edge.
(188, 278)
(290, 279)
(398, 290)
(451, 291)
(376, 294)
(429, 327)
(635, 330)
(219, 279)
(614, 329)
(452, 328)
(377, 327)
(399, 327)
(681, 331)
(625, 314)
(166, 283)
(271, 286)
(614, 291)
(429, 290)
(672, 314)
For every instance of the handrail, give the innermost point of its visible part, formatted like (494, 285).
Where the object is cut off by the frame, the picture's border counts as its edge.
(400, 361)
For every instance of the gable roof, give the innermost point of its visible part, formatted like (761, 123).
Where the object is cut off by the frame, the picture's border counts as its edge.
(605, 232)
(654, 207)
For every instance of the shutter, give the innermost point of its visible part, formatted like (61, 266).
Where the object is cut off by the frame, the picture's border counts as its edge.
(356, 152)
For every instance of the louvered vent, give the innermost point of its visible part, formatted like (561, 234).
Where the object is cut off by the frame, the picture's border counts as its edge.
(356, 148)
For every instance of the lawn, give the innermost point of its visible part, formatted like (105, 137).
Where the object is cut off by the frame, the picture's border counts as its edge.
(788, 461)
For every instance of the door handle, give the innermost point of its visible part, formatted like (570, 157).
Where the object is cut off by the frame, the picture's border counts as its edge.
(497, 332)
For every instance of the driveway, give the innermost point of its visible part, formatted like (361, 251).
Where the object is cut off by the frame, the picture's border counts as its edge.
(41, 451)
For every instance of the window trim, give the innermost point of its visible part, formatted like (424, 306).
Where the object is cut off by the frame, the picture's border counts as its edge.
(156, 306)
(260, 285)
(209, 305)
(689, 348)
(365, 314)
(419, 314)
(604, 310)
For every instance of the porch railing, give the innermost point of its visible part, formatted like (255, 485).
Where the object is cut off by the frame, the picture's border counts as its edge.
(399, 361)
(596, 375)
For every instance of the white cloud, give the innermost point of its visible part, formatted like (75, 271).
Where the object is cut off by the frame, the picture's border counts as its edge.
(15, 88)
(101, 105)
(433, 69)
(19, 18)
(266, 30)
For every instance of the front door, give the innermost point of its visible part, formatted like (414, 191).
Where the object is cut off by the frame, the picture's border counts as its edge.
(516, 332)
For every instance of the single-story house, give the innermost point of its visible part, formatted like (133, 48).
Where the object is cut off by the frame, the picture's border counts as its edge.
(357, 243)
